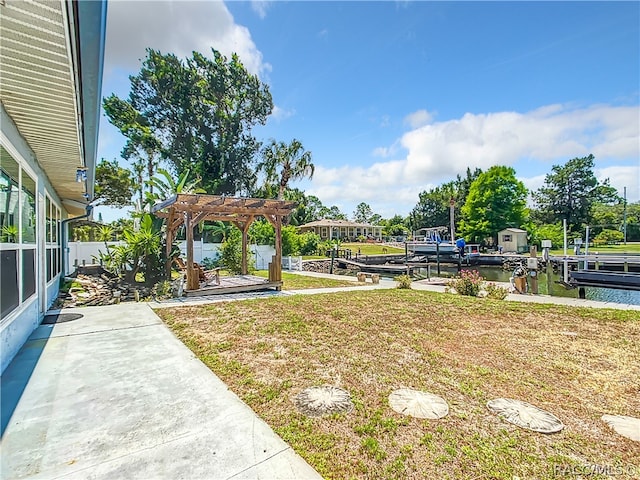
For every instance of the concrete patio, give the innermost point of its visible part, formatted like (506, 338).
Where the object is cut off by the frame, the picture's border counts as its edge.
(115, 395)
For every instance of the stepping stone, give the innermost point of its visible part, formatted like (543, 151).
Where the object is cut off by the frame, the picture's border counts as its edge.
(418, 404)
(525, 415)
(626, 426)
(324, 400)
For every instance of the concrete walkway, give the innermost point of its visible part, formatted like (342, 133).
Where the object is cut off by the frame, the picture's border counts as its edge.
(115, 395)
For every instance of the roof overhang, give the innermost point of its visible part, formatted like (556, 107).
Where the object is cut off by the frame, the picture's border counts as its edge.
(51, 60)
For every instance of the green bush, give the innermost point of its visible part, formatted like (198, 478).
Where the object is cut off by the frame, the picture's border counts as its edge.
(262, 232)
(308, 243)
(609, 236)
(553, 232)
(290, 241)
(161, 290)
(231, 252)
(404, 281)
(469, 283)
(496, 292)
(209, 263)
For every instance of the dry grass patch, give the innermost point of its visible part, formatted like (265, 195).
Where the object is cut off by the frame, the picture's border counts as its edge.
(576, 363)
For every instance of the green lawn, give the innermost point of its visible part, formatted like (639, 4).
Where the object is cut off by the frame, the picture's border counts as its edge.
(363, 248)
(633, 248)
(371, 248)
(292, 281)
(578, 363)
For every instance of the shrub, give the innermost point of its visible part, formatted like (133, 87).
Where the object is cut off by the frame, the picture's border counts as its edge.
(290, 241)
(262, 233)
(162, 290)
(496, 291)
(468, 283)
(404, 281)
(309, 243)
(606, 236)
(209, 263)
(551, 232)
(231, 252)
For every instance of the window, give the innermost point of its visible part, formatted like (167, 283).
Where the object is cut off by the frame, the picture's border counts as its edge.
(52, 239)
(324, 232)
(506, 238)
(17, 233)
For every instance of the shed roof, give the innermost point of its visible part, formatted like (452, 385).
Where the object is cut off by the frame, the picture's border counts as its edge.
(514, 230)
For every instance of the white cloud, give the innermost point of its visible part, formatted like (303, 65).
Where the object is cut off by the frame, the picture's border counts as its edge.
(528, 141)
(260, 7)
(178, 27)
(620, 177)
(280, 114)
(550, 133)
(418, 118)
(382, 152)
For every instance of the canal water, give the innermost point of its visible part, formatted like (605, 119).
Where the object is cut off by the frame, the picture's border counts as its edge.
(497, 274)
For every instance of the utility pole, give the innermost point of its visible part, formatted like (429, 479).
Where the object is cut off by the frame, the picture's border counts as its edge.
(624, 216)
(452, 204)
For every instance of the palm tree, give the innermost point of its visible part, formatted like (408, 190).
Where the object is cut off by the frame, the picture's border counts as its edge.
(105, 234)
(167, 186)
(217, 229)
(283, 163)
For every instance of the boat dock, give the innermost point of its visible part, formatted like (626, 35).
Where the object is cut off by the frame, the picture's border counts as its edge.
(605, 279)
(377, 265)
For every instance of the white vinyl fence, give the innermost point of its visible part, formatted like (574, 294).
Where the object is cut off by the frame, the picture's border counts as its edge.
(292, 263)
(87, 253)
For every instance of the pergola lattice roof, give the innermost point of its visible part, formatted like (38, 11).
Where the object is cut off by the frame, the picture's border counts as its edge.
(219, 207)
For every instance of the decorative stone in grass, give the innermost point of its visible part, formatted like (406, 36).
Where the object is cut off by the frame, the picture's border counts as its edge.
(418, 404)
(525, 415)
(626, 426)
(324, 400)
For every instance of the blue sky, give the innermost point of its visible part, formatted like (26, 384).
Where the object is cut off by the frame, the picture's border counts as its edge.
(394, 98)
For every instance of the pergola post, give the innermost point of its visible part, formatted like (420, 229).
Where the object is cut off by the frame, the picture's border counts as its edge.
(277, 268)
(244, 228)
(193, 280)
(169, 244)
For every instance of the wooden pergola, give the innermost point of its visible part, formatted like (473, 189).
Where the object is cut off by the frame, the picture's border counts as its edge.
(191, 209)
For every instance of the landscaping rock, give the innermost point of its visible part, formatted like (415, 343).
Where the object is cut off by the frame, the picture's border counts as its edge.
(324, 400)
(525, 415)
(418, 404)
(626, 426)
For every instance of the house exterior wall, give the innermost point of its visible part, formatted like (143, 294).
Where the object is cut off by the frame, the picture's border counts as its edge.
(326, 232)
(33, 258)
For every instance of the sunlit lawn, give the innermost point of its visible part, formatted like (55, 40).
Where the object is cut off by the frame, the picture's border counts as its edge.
(633, 248)
(292, 281)
(364, 249)
(371, 248)
(577, 363)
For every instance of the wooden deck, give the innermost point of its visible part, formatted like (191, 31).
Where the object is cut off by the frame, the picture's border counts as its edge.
(234, 284)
